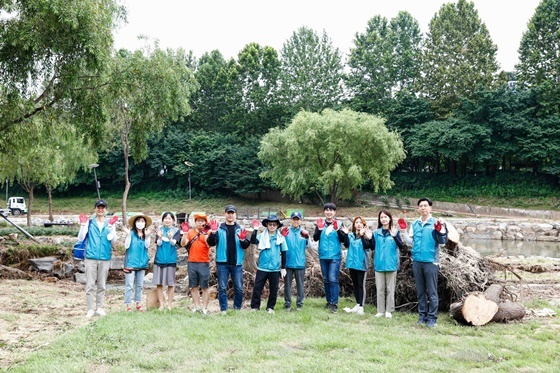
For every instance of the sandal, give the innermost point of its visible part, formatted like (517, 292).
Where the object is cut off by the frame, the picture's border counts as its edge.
(128, 308)
(139, 308)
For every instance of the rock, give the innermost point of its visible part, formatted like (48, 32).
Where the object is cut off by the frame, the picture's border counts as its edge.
(182, 260)
(513, 229)
(44, 264)
(497, 235)
(80, 278)
(519, 236)
(117, 262)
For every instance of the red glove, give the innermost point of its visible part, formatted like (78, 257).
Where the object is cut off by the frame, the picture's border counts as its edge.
(206, 228)
(113, 219)
(335, 224)
(213, 225)
(437, 226)
(83, 218)
(285, 231)
(185, 226)
(402, 223)
(255, 223)
(304, 233)
(243, 234)
(320, 223)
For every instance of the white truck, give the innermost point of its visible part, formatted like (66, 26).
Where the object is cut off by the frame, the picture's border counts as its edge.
(16, 206)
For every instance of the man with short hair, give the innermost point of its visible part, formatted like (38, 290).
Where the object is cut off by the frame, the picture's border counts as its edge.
(198, 260)
(330, 251)
(425, 235)
(230, 240)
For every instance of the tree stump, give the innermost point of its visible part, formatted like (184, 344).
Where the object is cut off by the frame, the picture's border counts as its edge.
(508, 311)
(474, 310)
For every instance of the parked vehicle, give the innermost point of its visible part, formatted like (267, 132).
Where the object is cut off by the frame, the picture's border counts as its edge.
(16, 206)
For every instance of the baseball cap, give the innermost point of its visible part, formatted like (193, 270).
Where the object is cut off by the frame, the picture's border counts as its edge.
(296, 214)
(230, 208)
(100, 202)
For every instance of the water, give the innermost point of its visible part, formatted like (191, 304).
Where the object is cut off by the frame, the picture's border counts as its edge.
(514, 248)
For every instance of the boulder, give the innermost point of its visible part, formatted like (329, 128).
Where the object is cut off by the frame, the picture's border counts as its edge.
(44, 264)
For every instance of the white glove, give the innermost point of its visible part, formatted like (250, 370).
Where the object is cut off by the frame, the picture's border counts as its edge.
(283, 272)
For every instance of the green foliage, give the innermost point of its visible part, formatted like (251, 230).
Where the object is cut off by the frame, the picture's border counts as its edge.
(332, 153)
(42, 231)
(20, 253)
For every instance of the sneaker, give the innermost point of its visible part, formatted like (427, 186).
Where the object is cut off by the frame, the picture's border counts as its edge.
(90, 314)
(204, 311)
(288, 309)
(378, 314)
(421, 322)
(224, 312)
(197, 309)
(328, 306)
(100, 312)
(298, 309)
(334, 308)
(431, 324)
(388, 315)
(269, 310)
(360, 310)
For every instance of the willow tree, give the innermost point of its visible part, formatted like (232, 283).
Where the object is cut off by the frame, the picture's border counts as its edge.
(331, 154)
(146, 90)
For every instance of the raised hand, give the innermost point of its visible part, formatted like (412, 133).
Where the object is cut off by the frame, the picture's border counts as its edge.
(335, 224)
(285, 231)
(255, 223)
(437, 226)
(206, 228)
(83, 218)
(402, 223)
(185, 227)
(113, 219)
(213, 225)
(242, 234)
(320, 223)
(304, 233)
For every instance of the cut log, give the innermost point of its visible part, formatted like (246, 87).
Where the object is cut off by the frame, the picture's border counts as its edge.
(474, 310)
(508, 311)
(13, 273)
(452, 233)
(494, 292)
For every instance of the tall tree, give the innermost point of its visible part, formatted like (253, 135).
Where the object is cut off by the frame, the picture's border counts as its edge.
(311, 71)
(52, 53)
(330, 154)
(459, 56)
(384, 60)
(148, 89)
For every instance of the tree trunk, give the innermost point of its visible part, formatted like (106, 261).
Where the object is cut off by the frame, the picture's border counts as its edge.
(31, 199)
(494, 292)
(474, 310)
(49, 192)
(508, 311)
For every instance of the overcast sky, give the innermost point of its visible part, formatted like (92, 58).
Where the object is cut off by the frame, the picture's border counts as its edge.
(229, 25)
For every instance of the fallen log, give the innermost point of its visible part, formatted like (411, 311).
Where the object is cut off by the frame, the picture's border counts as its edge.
(494, 292)
(508, 311)
(474, 310)
(13, 273)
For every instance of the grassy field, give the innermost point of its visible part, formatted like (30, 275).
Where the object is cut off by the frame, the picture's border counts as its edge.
(312, 340)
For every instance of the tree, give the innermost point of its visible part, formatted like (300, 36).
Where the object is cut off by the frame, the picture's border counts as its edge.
(311, 72)
(385, 60)
(459, 56)
(148, 89)
(331, 153)
(52, 53)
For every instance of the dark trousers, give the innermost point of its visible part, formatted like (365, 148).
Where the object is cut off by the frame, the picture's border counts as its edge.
(359, 283)
(299, 275)
(260, 279)
(426, 278)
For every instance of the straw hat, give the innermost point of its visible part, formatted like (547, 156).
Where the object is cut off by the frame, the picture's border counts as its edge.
(133, 219)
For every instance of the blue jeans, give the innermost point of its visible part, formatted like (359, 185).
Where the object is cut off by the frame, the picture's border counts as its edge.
(426, 278)
(224, 271)
(133, 279)
(330, 269)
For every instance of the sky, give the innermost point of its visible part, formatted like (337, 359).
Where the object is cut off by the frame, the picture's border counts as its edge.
(229, 25)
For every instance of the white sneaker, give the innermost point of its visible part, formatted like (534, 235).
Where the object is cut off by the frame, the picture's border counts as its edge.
(378, 314)
(270, 310)
(360, 310)
(388, 315)
(224, 312)
(90, 314)
(204, 311)
(100, 312)
(352, 310)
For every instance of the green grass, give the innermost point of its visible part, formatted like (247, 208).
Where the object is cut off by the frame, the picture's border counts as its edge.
(313, 340)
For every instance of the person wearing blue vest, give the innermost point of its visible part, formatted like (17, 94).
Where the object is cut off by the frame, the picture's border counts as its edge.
(230, 240)
(272, 249)
(99, 234)
(136, 259)
(165, 259)
(297, 240)
(386, 245)
(425, 235)
(329, 238)
(358, 243)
